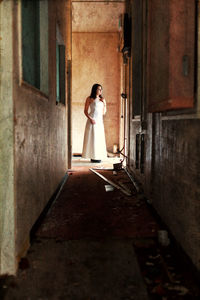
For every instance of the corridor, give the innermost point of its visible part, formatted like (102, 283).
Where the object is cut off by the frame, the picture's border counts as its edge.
(65, 231)
(94, 244)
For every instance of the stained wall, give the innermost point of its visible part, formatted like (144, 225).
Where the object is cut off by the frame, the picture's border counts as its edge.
(34, 138)
(7, 180)
(171, 170)
(40, 135)
(95, 59)
(174, 171)
(175, 180)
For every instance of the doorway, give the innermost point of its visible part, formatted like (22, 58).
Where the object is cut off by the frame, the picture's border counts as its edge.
(96, 58)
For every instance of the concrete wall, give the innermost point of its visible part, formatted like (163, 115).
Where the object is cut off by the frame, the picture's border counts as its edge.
(95, 59)
(34, 136)
(40, 136)
(7, 201)
(176, 180)
(171, 172)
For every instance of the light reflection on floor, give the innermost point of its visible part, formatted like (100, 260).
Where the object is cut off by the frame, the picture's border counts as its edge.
(79, 161)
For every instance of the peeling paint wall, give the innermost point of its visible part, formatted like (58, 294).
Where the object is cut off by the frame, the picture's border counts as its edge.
(7, 190)
(33, 134)
(96, 16)
(176, 179)
(40, 135)
(95, 59)
(175, 175)
(171, 171)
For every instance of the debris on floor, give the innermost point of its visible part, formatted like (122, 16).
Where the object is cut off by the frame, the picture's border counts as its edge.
(163, 238)
(117, 186)
(165, 274)
(117, 166)
(91, 211)
(87, 224)
(109, 188)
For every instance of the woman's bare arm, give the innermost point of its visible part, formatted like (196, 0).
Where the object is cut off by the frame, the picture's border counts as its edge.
(104, 107)
(87, 104)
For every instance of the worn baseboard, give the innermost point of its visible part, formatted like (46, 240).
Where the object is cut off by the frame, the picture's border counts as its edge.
(47, 207)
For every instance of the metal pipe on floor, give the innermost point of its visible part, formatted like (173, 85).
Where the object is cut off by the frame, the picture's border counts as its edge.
(126, 192)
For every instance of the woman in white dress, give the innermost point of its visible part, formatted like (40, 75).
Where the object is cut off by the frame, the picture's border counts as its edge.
(94, 144)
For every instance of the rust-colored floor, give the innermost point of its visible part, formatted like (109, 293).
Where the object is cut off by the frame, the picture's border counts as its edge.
(85, 209)
(99, 245)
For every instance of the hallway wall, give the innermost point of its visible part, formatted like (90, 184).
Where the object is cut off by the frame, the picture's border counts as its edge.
(95, 59)
(35, 145)
(170, 178)
(176, 181)
(7, 217)
(40, 136)
(175, 168)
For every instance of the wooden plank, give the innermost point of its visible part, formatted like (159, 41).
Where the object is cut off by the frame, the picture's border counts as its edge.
(126, 192)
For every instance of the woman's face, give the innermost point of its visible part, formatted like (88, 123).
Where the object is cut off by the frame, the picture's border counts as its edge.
(99, 90)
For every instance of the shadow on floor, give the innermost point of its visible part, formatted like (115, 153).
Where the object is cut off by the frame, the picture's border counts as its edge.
(94, 245)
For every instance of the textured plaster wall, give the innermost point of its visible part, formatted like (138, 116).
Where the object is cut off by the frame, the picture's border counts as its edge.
(7, 204)
(175, 175)
(96, 16)
(40, 134)
(176, 181)
(95, 59)
(171, 175)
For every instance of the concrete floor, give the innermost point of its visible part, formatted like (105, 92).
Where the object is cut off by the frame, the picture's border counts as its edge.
(98, 245)
(82, 269)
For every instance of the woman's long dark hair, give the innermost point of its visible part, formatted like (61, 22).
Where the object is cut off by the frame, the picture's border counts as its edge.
(94, 90)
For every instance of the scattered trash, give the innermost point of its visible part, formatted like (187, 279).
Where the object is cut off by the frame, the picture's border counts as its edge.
(109, 188)
(148, 263)
(117, 166)
(165, 267)
(154, 257)
(182, 290)
(111, 182)
(163, 238)
(149, 201)
(177, 281)
(148, 281)
(161, 283)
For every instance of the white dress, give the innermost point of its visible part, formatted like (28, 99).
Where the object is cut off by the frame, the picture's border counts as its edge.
(94, 143)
